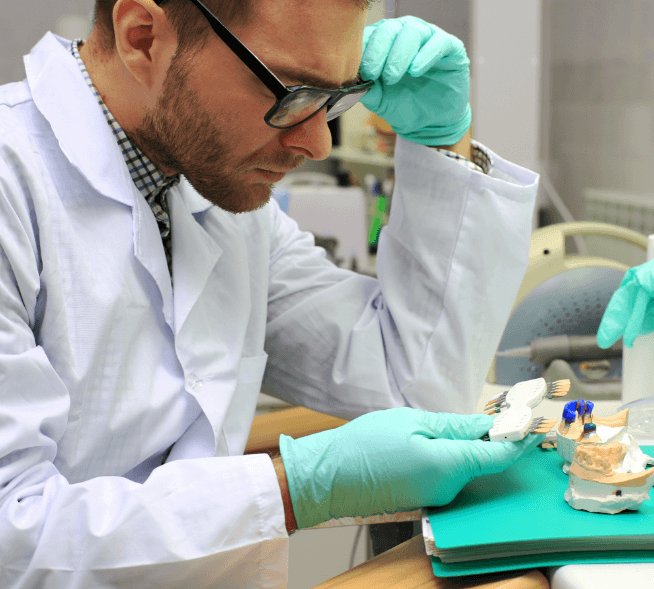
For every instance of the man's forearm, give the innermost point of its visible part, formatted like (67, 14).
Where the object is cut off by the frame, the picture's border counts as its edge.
(291, 524)
(463, 147)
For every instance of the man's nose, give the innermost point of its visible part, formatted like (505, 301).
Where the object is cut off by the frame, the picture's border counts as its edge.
(311, 139)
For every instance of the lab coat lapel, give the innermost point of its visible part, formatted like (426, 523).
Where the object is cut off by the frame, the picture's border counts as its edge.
(148, 249)
(212, 302)
(195, 255)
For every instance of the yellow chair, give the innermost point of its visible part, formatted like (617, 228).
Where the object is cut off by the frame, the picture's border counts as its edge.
(548, 256)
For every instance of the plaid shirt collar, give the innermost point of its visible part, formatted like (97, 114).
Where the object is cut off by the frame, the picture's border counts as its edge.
(147, 177)
(482, 161)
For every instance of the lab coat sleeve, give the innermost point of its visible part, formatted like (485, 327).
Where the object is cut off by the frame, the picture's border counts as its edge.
(424, 334)
(193, 523)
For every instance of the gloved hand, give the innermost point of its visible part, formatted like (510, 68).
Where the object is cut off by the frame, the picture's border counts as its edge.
(630, 311)
(422, 80)
(388, 461)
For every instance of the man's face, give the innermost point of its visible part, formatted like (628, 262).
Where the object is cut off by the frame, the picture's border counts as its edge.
(208, 120)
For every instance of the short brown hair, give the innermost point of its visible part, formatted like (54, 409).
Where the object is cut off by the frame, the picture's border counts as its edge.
(190, 26)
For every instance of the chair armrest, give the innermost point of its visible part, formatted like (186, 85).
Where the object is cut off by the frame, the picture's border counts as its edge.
(296, 423)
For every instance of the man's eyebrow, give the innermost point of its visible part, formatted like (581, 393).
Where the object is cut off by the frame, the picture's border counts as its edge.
(297, 76)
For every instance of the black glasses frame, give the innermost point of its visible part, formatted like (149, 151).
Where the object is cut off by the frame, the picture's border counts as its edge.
(284, 94)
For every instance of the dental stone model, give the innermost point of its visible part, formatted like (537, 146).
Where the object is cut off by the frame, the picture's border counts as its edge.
(574, 430)
(604, 478)
(607, 468)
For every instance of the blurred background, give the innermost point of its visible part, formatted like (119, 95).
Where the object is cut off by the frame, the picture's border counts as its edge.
(563, 87)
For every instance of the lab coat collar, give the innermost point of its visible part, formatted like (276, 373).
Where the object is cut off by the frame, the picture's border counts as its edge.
(194, 202)
(63, 97)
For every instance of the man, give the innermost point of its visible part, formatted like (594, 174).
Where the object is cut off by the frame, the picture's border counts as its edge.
(136, 319)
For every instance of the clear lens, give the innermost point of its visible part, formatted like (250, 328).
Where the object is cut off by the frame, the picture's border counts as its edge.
(345, 103)
(297, 107)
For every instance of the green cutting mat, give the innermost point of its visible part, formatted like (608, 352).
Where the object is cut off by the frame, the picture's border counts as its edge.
(526, 503)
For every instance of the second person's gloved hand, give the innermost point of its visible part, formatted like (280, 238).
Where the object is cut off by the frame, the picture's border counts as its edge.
(422, 80)
(388, 461)
(630, 311)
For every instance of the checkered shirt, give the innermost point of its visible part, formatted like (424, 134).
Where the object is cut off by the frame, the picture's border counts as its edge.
(482, 161)
(151, 182)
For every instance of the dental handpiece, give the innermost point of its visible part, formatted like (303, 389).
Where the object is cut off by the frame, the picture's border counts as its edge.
(565, 347)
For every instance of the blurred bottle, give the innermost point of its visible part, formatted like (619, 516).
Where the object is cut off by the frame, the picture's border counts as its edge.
(380, 193)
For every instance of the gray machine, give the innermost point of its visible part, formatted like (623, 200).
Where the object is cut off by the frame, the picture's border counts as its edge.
(551, 332)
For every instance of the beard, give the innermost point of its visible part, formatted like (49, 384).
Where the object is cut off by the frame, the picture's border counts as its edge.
(181, 134)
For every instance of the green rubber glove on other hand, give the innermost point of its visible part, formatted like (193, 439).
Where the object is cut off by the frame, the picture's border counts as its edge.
(389, 461)
(630, 311)
(422, 80)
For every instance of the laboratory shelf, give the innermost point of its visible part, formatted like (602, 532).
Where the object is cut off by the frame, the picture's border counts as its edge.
(355, 156)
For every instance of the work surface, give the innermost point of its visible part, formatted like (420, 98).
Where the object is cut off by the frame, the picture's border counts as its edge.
(408, 567)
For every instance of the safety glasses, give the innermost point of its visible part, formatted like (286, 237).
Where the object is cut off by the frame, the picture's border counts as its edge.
(295, 104)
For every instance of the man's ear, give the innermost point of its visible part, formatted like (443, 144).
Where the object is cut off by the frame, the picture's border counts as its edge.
(145, 40)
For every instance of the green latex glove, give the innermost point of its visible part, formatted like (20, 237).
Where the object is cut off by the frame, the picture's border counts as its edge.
(388, 461)
(422, 80)
(630, 311)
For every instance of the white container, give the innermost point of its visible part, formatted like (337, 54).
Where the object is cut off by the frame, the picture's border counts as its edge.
(638, 361)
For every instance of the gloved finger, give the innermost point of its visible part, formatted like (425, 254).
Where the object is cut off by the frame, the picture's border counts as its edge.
(494, 457)
(629, 276)
(439, 46)
(372, 99)
(406, 46)
(635, 322)
(457, 427)
(648, 321)
(377, 49)
(608, 332)
(644, 274)
(367, 33)
(614, 320)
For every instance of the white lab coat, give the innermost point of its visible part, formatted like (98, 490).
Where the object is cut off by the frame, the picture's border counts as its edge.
(103, 365)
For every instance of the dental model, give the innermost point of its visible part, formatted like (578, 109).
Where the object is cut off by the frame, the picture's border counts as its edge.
(609, 478)
(607, 468)
(586, 429)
